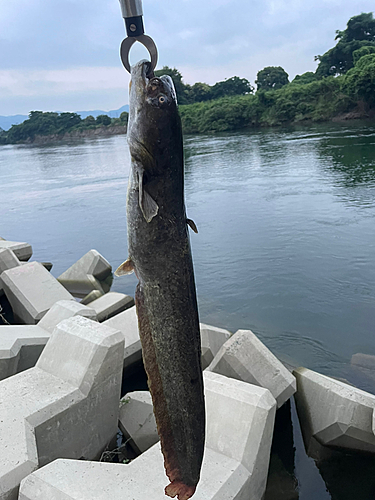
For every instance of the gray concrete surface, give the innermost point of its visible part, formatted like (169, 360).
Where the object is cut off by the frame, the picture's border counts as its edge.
(90, 272)
(31, 291)
(8, 260)
(333, 413)
(64, 309)
(21, 345)
(20, 348)
(67, 406)
(23, 251)
(240, 419)
(127, 323)
(212, 338)
(245, 357)
(93, 295)
(110, 304)
(137, 420)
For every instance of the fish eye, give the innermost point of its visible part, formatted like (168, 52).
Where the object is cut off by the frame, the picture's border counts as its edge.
(162, 99)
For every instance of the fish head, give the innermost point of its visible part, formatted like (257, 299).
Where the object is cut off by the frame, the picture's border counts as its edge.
(154, 121)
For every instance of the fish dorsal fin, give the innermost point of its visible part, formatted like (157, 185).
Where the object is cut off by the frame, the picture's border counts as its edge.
(147, 204)
(192, 224)
(126, 267)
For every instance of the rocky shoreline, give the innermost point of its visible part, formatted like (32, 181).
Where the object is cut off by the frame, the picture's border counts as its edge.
(62, 365)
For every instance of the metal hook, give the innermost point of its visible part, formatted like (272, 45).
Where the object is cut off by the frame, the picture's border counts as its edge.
(145, 40)
(132, 13)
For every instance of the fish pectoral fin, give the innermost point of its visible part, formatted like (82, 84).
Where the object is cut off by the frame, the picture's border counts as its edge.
(126, 267)
(192, 224)
(147, 204)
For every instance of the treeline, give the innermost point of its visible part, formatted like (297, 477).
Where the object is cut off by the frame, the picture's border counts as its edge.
(42, 123)
(200, 92)
(344, 83)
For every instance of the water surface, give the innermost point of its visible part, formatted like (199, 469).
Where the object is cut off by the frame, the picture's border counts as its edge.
(285, 248)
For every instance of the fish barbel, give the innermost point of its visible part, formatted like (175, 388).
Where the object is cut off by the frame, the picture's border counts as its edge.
(160, 255)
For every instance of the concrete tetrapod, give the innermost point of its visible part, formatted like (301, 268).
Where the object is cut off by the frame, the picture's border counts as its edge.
(127, 323)
(245, 357)
(67, 406)
(137, 420)
(90, 272)
(337, 415)
(31, 291)
(212, 338)
(240, 419)
(8, 260)
(21, 345)
(110, 304)
(23, 251)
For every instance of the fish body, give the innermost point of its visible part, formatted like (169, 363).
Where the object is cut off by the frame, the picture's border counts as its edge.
(159, 253)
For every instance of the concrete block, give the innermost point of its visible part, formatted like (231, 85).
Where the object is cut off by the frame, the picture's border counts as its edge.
(240, 419)
(212, 338)
(8, 260)
(67, 406)
(93, 295)
(245, 357)
(31, 291)
(20, 348)
(333, 413)
(110, 304)
(90, 272)
(64, 309)
(23, 251)
(137, 420)
(127, 323)
(21, 345)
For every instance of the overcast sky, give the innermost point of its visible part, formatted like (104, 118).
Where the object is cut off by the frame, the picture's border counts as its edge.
(64, 54)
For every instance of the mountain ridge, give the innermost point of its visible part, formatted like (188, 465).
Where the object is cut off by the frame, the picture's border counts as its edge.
(7, 121)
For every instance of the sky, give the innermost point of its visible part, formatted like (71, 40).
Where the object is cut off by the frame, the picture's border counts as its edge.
(64, 55)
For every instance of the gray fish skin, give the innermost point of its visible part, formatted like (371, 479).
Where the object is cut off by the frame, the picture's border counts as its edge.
(159, 252)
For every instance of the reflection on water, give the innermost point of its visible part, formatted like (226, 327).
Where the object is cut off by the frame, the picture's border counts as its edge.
(286, 239)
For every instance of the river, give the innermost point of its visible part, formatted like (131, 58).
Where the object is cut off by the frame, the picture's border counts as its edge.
(286, 221)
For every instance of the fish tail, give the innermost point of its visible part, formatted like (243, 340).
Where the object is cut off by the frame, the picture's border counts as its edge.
(180, 489)
(163, 421)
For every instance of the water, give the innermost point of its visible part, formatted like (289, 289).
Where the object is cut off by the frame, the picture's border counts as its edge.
(286, 223)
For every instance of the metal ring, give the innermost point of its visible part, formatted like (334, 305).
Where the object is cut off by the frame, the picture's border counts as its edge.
(147, 42)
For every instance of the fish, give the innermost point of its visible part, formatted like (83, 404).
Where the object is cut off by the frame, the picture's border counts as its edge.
(165, 297)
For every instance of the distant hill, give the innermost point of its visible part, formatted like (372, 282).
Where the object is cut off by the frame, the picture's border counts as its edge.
(7, 121)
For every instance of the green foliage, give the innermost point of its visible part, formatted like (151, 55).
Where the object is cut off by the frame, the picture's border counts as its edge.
(359, 81)
(307, 77)
(315, 101)
(271, 77)
(231, 86)
(187, 94)
(103, 120)
(124, 118)
(360, 32)
(363, 51)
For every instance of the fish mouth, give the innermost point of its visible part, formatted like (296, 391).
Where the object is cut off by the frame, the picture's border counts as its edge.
(141, 74)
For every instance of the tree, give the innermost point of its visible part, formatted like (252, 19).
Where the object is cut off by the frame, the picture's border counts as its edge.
(359, 81)
(103, 120)
(307, 77)
(89, 121)
(363, 51)
(231, 86)
(124, 118)
(271, 78)
(200, 92)
(360, 32)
